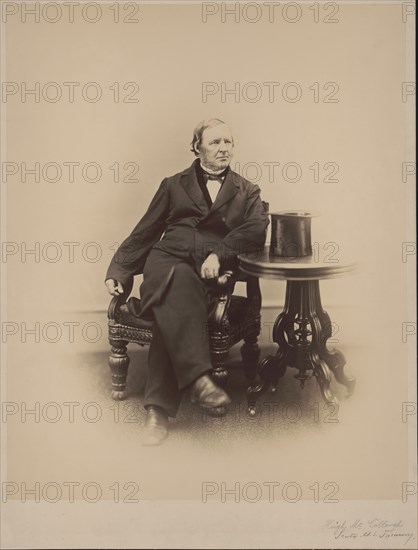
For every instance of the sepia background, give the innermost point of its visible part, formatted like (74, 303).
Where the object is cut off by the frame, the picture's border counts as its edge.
(336, 130)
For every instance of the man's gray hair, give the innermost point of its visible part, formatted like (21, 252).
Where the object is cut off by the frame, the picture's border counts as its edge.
(198, 132)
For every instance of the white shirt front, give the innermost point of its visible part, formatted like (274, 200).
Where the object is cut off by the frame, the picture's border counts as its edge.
(213, 185)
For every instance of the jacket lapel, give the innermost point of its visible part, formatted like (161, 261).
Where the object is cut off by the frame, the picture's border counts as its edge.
(192, 188)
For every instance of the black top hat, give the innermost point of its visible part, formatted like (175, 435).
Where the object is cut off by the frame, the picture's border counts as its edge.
(291, 234)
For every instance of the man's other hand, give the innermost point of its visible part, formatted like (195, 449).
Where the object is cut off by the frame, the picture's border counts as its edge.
(114, 287)
(210, 267)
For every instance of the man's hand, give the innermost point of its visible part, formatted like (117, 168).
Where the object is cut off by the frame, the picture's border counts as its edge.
(210, 267)
(114, 287)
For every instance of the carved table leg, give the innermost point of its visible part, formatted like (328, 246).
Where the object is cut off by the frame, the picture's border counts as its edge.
(334, 359)
(323, 376)
(119, 364)
(301, 332)
(272, 367)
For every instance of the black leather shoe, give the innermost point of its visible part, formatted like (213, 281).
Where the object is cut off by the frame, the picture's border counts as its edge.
(156, 426)
(205, 392)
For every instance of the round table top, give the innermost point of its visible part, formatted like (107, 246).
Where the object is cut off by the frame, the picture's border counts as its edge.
(268, 265)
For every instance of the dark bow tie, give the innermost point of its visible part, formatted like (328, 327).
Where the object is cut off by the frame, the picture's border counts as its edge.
(218, 177)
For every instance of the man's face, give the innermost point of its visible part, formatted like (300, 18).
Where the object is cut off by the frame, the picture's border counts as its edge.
(216, 147)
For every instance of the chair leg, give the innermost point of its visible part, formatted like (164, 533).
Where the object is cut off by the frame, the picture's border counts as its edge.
(220, 372)
(119, 364)
(250, 353)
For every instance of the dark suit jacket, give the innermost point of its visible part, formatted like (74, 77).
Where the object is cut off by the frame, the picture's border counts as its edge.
(190, 229)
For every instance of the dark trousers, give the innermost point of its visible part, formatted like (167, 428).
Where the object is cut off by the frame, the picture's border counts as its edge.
(179, 352)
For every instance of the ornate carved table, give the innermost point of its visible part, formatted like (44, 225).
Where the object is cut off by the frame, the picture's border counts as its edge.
(303, 327)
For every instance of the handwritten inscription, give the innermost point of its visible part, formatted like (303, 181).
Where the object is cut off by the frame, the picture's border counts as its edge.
(374, 528)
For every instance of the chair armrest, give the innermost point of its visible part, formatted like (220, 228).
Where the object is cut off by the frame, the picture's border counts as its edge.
(227, 282)
(120, 299)
(226, 279)
(114, 305)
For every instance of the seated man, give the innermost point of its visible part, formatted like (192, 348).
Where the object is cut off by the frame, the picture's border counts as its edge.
(206, 215)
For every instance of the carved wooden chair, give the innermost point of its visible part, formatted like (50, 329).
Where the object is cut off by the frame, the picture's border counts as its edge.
(234, 318)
